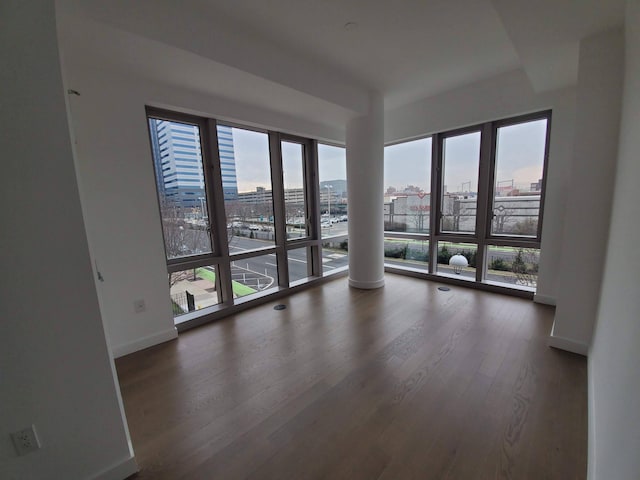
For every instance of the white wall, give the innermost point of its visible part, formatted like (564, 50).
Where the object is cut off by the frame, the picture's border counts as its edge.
(501, 97)
(119, 195)
(614, 376)
(56, 372)
(589, 201)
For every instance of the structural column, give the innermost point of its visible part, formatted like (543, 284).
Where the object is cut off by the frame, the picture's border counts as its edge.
(365, 172)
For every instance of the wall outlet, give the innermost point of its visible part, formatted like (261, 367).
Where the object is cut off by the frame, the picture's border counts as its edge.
(139, 306)
(25, 441)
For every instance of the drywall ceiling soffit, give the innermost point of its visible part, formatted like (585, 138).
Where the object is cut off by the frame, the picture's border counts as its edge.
(87, 43)
(547, 34)
(214, 37)
(406, 49)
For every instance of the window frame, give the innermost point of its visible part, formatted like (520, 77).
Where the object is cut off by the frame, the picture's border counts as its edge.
(483, 237)
(220, 255)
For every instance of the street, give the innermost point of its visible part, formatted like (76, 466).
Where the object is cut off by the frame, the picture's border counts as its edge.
(260, 272)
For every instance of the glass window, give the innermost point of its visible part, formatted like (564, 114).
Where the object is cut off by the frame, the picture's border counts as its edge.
(193, 289)
(298, 260)
(461, 160)
(407, 181)
(513, 266)
(294, 190)
(457, 259)
(518, 176)
(335, 253)
(332, 176)
(250, 223)
(181, 187)
(253, 275)
(406, 253)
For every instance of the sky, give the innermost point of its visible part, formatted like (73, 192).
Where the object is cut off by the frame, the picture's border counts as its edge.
(520, 153)
(519, 157)
(252, 161)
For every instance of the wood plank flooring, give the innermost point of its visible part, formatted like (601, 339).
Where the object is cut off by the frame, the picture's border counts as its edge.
(404, 382)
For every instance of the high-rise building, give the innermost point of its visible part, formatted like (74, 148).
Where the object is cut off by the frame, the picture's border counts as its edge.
(178, 162)
(227, 162)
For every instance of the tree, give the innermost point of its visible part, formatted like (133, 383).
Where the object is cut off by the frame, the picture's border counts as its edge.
(528, 226)
(501, 217)
(525, 267)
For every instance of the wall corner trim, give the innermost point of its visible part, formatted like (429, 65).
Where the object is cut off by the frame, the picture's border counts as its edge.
(119, 471)
(545, 299)
(145, 342)
(568, 345)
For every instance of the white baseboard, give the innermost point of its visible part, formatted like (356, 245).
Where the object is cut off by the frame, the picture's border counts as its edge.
(544, 299)
(366, 285)
(145, 342)
(568, 345)
(120, 471)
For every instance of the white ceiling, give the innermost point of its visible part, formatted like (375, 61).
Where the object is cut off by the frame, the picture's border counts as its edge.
(405, 49)
(296, 57)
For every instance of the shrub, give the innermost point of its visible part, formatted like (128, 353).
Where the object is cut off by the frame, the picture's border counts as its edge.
(395, 251)
(518, 265)
(444, 255)
(419, 254)
(499, 264)
(470, 255)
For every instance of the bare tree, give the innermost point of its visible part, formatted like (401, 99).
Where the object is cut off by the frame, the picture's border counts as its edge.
(525, 267)
(501, 218)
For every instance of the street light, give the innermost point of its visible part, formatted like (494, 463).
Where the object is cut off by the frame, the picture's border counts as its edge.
(329, 187)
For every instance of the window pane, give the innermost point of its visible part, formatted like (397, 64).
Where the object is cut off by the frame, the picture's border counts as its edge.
(298, 260)
(294, 189)
(193, 289)
(457, 260)
(518, 178)
(250, 211)
(335, 253)
(253, 275)
(406, 253)
(332, 175)
(407, 180)
(177, 159)
(461, 159)
(513, 266)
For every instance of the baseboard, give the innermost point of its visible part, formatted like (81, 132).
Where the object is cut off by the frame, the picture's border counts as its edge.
(544, 299)
(120, 471)
(568, 345)
(366, 285)
(145, 342)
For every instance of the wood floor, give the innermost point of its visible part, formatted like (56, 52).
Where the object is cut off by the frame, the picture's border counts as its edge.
(402, 382)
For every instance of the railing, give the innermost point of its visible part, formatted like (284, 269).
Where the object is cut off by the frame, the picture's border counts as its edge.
(182, 302)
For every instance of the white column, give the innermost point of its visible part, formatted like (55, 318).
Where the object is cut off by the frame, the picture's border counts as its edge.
(365, 172)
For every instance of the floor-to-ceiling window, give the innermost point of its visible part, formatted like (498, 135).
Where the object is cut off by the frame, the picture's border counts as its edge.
(240, 210)
(332, 184)
(407, 204)
(467, 204)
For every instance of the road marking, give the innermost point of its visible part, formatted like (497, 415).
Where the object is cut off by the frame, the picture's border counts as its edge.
(296, 260)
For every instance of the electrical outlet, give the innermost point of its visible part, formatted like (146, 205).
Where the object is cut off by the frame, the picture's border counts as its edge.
(25, 441)
(139, 306)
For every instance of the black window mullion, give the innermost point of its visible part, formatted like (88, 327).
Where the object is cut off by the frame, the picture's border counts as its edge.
(483, 207)
(280, 227)
(215, 201)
